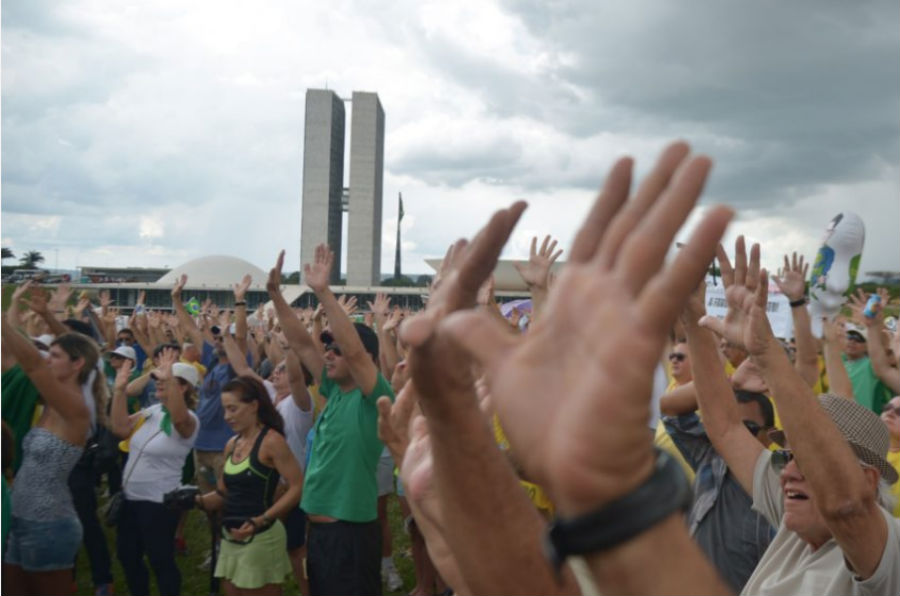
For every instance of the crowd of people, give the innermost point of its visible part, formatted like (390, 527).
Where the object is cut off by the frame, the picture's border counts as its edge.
(614, 439)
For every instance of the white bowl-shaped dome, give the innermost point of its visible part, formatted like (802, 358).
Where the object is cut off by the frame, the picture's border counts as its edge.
(215, 271)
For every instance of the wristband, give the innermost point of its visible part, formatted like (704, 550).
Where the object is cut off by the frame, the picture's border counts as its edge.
(665, 492)
(798, 302)
(268, 521)
(240, 303)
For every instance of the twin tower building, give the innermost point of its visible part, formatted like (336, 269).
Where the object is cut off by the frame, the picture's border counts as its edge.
(324, 196)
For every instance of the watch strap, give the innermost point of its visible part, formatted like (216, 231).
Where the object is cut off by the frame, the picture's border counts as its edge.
(666, 491)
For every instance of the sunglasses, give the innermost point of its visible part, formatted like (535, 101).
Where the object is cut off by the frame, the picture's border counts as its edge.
(333, 348)
(855, 338)
(752, 426)
(677, 357)
(781, 457)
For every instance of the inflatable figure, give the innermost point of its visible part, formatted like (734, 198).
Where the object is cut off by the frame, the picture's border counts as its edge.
(834, 271)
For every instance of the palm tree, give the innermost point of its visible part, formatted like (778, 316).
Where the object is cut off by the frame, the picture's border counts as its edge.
(8, 254)
(31, 259)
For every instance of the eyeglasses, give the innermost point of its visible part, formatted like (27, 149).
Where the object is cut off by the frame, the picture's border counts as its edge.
(781, 457)
(677, 357)
(752, 426)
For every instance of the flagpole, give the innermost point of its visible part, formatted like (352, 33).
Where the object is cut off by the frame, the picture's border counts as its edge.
(399, 219)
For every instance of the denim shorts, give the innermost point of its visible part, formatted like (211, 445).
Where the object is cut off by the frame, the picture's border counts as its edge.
(43, 545)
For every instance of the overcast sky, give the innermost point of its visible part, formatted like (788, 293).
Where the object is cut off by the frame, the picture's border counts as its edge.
(152, 133)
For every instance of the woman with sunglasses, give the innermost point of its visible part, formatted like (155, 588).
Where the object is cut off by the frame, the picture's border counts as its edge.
(890, 415)
(253, 555)
(161, 436)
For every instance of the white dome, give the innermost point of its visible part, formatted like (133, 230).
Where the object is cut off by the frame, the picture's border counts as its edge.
(216, 271)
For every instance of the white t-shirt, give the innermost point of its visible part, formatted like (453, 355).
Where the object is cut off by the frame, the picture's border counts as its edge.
(296, 426)
(157, 469)
(790, 566)
(296, 422)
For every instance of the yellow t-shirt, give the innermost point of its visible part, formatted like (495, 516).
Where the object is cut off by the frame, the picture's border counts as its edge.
(893, 458)
(537, 495)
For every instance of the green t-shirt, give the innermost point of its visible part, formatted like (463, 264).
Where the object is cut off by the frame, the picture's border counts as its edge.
(19, 398)
(868, 390)
(340, 479)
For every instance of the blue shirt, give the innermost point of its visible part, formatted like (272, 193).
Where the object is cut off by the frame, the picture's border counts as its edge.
(214, 433)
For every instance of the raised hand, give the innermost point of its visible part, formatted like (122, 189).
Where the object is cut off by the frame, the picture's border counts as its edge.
(438, 365)
(348, 304)
(600, 337)
(380, 308)
(178, 287)
(536, 271)
(791, 278)
(318, 273)
(273, 284)
(745, 325)
(166, 359)
(394, 319)
(240, 288)
(122, 375)
(60, 298)
(105, 300)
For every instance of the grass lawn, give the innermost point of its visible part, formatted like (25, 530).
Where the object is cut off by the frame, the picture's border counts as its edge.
(196, 581)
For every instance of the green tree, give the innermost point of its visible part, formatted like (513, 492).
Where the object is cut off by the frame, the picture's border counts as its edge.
(31, 259)
(8, 253)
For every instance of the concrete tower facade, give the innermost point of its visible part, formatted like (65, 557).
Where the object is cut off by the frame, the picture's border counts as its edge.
(323, 176)
(366, 170)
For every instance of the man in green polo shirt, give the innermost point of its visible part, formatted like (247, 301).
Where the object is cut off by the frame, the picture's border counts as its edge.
(868, 389)
(340, 491)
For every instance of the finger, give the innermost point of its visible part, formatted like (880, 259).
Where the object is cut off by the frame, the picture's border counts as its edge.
(753, 268)
(481, 257)
(714, 324)
(642, 253)
(762, 290)
(804, 267)
(665, 295)
(533, 251)
(725, 270)
(555, 256)
(416, 330)
(611, 198)
(650, 190)
(787, 266)
(487, 340)
(550, 248)
(544, 245)
(740, 261)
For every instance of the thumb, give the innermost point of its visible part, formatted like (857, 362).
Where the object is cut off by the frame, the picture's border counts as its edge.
(481, 335)
(714, 324)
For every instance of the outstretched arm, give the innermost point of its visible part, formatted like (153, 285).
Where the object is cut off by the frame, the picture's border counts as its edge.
(615, 273)
(536, 272)
(184, 318)
(878, 356)
(294, 330)
(362, 368)
(791, 280)
(838, 379)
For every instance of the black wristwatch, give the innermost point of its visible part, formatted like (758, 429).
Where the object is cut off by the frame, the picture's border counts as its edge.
(666, 491)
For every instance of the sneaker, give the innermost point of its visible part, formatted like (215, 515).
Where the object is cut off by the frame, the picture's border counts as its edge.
(393, 579)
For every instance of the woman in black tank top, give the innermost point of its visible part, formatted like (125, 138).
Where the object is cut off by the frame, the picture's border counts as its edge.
(253, 555)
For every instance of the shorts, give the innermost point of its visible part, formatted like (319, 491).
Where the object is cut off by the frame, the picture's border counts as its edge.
(209, 466)
(261, 561)
(43, 545)
(295, 526)
(384, 473)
